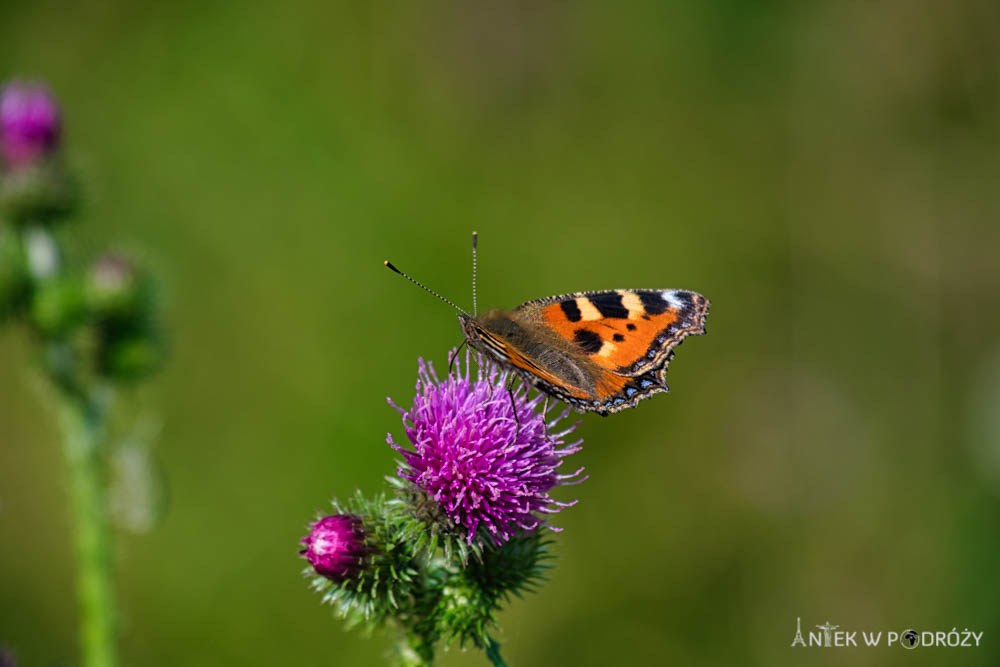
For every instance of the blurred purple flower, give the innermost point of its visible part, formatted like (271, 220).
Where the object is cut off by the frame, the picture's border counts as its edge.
(29, 123)
(470, 456)
(335, 546)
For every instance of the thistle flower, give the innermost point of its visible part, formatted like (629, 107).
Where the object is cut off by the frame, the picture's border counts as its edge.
(34, 189)
(29, 123)
(482, 466)
(336, 546)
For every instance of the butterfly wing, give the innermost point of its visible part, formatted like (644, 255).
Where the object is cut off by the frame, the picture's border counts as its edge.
(534, 352)
(625, 336)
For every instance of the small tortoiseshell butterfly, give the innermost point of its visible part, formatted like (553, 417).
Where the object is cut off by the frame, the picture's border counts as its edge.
(597, 351)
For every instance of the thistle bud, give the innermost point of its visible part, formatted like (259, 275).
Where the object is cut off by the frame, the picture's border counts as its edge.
(132, 356)
(113, 287)
(58, 305)
(336, 547)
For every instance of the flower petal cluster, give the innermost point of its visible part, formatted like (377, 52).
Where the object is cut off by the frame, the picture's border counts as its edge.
(335, 546)
(482, 452)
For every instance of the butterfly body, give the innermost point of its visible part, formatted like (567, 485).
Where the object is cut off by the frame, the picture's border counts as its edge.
(598, 351)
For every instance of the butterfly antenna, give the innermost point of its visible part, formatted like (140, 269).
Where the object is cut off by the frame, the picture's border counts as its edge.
(475, 306)
(425, 288)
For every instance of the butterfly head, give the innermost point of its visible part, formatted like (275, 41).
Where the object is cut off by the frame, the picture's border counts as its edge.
(473, 331)
(471, 328)
(489, 334)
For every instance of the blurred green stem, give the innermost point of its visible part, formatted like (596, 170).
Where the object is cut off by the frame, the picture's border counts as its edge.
(493, 652)
(414, 650)
(82, 424)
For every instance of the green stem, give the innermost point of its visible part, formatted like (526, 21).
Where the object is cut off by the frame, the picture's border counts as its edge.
(82, 424)
(414, 650)
(493, 652)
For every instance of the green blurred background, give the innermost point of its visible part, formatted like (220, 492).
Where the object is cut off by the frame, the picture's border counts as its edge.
(825, 172)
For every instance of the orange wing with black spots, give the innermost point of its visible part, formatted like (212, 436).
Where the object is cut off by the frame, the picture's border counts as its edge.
(628, 332)
(624, 337)
(598, 351)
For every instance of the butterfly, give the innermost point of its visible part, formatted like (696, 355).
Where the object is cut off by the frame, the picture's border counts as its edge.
(600, 351)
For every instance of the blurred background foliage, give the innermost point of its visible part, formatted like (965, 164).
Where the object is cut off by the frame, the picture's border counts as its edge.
(825, 172)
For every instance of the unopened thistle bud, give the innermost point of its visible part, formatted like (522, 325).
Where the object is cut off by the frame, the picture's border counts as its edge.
(336, 547)
(58, 305)
(131, 356)
(113, 287)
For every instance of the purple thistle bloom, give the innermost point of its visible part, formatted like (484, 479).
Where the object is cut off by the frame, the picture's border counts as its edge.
(466, 456)
(29, 123)
(335, 546)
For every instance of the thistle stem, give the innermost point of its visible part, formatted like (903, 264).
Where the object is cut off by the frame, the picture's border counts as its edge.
(82, 424)
(414, 650)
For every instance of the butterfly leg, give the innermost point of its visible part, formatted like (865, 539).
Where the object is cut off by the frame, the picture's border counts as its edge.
(451, 362)
(513, 406)
(545, 414)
